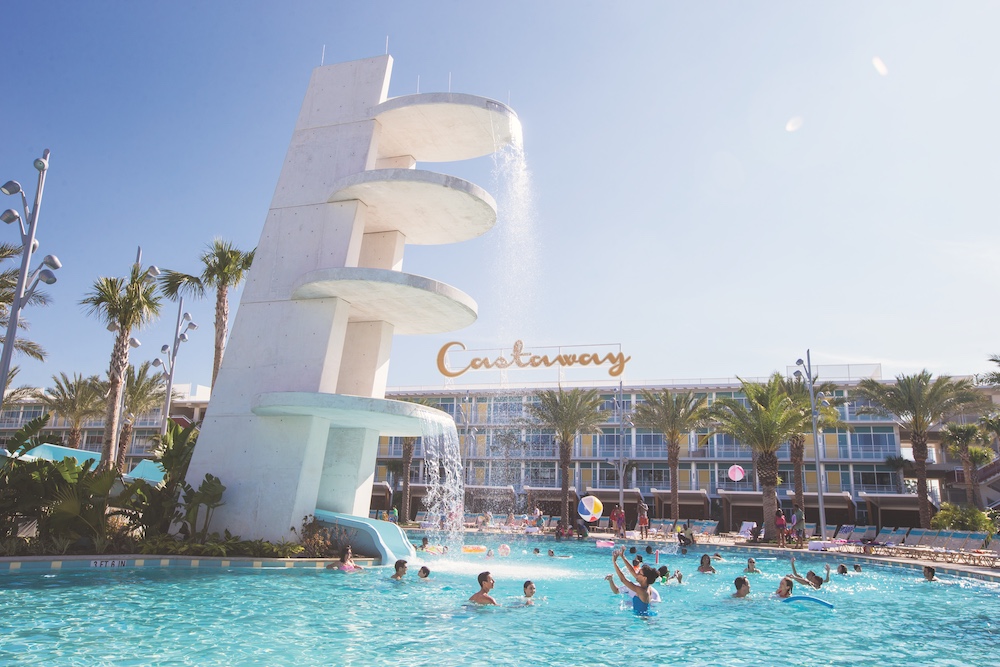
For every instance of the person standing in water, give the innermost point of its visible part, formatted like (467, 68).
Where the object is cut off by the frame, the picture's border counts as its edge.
(643, 578)
(486, 584)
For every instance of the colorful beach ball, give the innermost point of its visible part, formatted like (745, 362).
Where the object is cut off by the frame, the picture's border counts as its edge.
(736, 473)
(590, 508)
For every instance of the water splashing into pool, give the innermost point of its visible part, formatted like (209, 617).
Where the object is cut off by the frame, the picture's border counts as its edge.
(446, 493)
(515, 265)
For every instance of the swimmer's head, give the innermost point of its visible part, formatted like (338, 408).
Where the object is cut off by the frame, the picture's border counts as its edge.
(400, 566)
(631, 550)
(648, 574)
(706, 559)
(649, 549)
(423, 572)
(841, 569)
(529, 588)
(740, 583)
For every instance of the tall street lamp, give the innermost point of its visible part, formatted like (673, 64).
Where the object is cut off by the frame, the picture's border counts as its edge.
(184, 324)
(26, 282)
(624, 420)
(810, 379)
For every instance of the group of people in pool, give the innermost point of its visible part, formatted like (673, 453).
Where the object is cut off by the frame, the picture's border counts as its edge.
(641, 577)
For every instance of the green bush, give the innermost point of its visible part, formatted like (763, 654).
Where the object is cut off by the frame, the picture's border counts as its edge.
(962, 517)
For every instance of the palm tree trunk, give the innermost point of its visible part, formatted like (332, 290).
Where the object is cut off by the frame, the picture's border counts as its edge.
(565, 452)
(124, 443)
(221, 328)
(116, 376)
(919, 444)
(797, 447)
(407, 462)
(75, 436)
(971, 480)
(673, 461)
(767, 472)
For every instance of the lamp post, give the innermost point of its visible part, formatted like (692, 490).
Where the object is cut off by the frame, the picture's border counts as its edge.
(810, 379)
(26, 282)
(184, 324)
(624, 422)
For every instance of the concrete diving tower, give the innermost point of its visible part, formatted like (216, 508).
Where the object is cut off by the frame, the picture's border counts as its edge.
(298, 406)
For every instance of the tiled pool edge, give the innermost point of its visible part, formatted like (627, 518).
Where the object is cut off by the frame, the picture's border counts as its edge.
(941, 568)
(135, 561)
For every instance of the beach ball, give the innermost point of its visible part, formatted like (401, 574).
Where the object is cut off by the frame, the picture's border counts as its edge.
(736, 473)
(504, 550)
(590, 508)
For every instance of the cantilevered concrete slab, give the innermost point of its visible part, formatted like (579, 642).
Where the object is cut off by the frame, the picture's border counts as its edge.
(389, 418)
(425, 207)
(444, 127)
(412, 304)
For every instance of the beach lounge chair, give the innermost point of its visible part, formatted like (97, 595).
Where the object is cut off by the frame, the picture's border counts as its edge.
(810, 529)
(844, 533)
(972, 550)
(746, 528)
(831, 531)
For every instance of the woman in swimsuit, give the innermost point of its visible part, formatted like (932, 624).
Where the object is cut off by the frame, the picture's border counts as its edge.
(706, 565)
(644, 576)
(346, 563)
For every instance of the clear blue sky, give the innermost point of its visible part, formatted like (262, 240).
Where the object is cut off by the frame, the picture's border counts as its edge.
(673, 212)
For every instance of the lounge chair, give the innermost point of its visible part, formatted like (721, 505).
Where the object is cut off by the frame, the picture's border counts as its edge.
(844, 533)
(745, 531)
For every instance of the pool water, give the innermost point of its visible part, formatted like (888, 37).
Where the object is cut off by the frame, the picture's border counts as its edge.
(318, 617)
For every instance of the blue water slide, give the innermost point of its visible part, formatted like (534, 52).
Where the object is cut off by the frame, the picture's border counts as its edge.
(372, 536)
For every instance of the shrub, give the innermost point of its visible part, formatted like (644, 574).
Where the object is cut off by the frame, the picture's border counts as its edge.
(962, 517)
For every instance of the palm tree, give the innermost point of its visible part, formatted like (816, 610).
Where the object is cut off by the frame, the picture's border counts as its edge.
(8, 284)
(567, 413)
(767, 420)
(798, 390)
(674, 415)
(901, 465)
(224, 267)
(123, 305)
(76, 400)
(144, 392)
(961, 439)
(992, 377)
(917, 403)
(990, 425)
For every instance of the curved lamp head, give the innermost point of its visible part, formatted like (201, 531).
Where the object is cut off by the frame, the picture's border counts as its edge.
(191, 326)
(798, 375)
(799, 362)
(157, 362)
(10, 216)
(10, 188)
(42, 163)
(152, 272)
(183, 338)
(164, 349)
(134, 342)
(46, 277)
(52, 262)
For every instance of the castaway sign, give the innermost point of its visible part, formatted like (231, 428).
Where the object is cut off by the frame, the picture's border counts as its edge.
(519, 358)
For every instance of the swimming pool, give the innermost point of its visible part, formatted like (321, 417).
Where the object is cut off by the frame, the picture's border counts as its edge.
(305, 617)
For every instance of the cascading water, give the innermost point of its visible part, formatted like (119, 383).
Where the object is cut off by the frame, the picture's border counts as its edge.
(515, 264)
(445, 497)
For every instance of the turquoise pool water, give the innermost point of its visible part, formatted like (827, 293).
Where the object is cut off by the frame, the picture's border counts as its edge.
(317, 617)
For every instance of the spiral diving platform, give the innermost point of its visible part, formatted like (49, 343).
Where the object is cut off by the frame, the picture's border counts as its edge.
(298, 406)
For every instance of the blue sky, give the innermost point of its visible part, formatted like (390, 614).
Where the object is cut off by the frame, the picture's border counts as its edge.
(673, 212)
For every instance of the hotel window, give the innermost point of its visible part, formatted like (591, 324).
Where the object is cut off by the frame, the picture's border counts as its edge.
(873, 442)
(649, 444)
(540, 473)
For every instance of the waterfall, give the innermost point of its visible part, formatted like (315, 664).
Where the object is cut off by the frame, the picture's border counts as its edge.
(445, 499)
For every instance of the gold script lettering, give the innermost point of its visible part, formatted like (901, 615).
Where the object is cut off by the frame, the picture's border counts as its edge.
(523, 359)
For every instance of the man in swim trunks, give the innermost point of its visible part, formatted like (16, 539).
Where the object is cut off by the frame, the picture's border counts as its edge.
(486, 584)
(643, 523)
(400, 570)
(800, 526)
